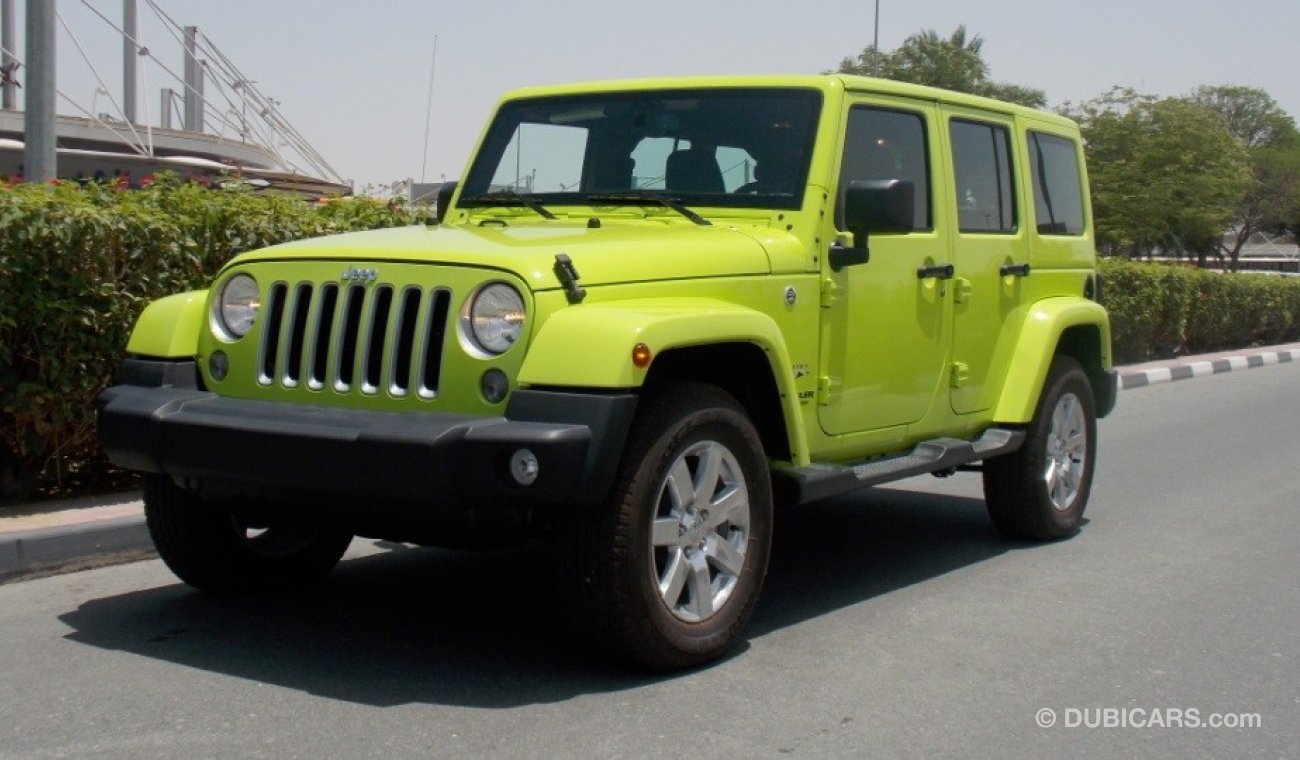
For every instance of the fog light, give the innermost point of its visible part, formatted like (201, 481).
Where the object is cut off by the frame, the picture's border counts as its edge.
(218, 365)
(494, 386)
(524, 467)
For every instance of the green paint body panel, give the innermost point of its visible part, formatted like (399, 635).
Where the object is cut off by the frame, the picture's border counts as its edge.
(866, 361)
(1027, 367)
(169, 328)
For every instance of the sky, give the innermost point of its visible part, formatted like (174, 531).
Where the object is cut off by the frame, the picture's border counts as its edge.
(353, 76)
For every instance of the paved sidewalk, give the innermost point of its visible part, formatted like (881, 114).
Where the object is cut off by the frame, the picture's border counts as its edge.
(53, 537)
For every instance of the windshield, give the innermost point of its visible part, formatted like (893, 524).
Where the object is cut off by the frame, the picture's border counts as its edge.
(717, 147)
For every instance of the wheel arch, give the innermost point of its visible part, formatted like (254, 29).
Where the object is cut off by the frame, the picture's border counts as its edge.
(1075, 327)
(740, 369)
(735, 348)
(169, 328)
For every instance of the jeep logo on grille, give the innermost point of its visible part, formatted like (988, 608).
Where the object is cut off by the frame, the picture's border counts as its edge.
(363, 276)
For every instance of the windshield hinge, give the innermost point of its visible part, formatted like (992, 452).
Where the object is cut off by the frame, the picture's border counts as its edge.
(568, 277)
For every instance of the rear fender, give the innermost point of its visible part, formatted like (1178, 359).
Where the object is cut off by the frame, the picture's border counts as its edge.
(1040, 339)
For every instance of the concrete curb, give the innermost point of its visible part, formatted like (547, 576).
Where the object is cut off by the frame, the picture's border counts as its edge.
(1168, 372)
(48, 551)
(94, 541)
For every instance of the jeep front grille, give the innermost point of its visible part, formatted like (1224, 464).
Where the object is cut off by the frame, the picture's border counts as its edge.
(354, 338)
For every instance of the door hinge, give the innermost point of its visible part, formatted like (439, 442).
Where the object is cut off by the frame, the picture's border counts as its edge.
(826, 387)
(830, 292)
(961, 292)
(960, 374)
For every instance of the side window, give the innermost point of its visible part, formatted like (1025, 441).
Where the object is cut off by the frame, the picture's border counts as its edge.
(981, 164)
(1058, 194)
(738, 168)
(883, 144)
(649, 158)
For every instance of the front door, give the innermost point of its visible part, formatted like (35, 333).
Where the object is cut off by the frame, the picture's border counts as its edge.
(885, 324)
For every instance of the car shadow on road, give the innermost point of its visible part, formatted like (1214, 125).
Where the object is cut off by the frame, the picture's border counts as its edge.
(484, 629)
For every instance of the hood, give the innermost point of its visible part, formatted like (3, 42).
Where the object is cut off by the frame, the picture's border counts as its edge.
(615, 252)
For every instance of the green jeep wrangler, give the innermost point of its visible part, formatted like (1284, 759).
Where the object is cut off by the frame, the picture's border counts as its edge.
(651, 312)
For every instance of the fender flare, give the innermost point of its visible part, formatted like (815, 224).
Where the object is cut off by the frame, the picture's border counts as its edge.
(169, 328)
(590, 346)
(1040, 335)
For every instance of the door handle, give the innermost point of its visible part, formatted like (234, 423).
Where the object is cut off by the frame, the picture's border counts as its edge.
(938, 271)
(1014, 270)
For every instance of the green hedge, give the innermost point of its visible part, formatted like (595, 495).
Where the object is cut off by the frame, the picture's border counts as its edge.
(78, 264)
(1158, 311)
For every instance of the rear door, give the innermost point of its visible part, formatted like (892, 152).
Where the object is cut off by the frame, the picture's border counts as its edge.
(990, 248)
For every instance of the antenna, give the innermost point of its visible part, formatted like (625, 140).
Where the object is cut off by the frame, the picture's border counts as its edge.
(428, 109)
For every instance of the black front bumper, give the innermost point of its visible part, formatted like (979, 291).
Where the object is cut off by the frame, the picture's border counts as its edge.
(417, 461)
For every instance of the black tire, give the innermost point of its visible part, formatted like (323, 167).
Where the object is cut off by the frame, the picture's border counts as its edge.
(212, 550)
(1039, 492)
(616, 558)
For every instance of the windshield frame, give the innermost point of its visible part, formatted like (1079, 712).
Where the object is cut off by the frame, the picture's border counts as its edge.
(498, 137)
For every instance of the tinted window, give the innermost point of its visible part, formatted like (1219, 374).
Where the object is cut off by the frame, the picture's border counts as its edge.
(1058, 194)
(715, 147)
(884, 144)
(981, 162)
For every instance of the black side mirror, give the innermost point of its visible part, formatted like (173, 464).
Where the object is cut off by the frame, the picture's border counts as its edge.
(443, 199)
(880, 205)
(873, 206)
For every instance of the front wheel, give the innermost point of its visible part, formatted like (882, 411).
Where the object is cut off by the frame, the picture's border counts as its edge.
(216, 551)
(668, 570)
(1039, 492)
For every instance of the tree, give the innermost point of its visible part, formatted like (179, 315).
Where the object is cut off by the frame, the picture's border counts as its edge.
(1166, 173)
(1272, 144)
(953, 63)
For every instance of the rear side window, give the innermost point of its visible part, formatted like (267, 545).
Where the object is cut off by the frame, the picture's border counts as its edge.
(883, 144)
(1058, 184)
(981, 159)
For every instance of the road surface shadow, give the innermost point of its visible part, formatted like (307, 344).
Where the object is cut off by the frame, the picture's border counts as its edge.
(485, 630)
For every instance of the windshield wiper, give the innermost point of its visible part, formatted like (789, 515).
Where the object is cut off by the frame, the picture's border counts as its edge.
(634, 198)
(508, 198)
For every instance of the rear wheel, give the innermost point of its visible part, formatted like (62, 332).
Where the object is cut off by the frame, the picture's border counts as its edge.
(667, 572)
(216, 551)
(1039, 492)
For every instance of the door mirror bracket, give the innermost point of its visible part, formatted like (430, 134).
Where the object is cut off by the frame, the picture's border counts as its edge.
(873, 206)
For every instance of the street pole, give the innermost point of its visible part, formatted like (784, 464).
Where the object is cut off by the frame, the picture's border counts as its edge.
(130, 53)
(39, 155)
(193, 82)
(7, 24)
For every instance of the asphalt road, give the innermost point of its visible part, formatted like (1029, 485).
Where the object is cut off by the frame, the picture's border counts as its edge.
(894, 624)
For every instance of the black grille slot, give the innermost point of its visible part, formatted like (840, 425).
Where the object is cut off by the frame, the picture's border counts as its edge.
(301, 305)
(348, 345)
(409, 313)
(353, 338)
(433, 337)
(271, 332)
(320, 347)
(379, 315)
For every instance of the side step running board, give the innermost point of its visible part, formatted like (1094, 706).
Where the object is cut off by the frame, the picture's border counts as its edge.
(800, 485)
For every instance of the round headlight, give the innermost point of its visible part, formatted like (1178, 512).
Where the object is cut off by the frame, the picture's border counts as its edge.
(496, 317)
(238, 305)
